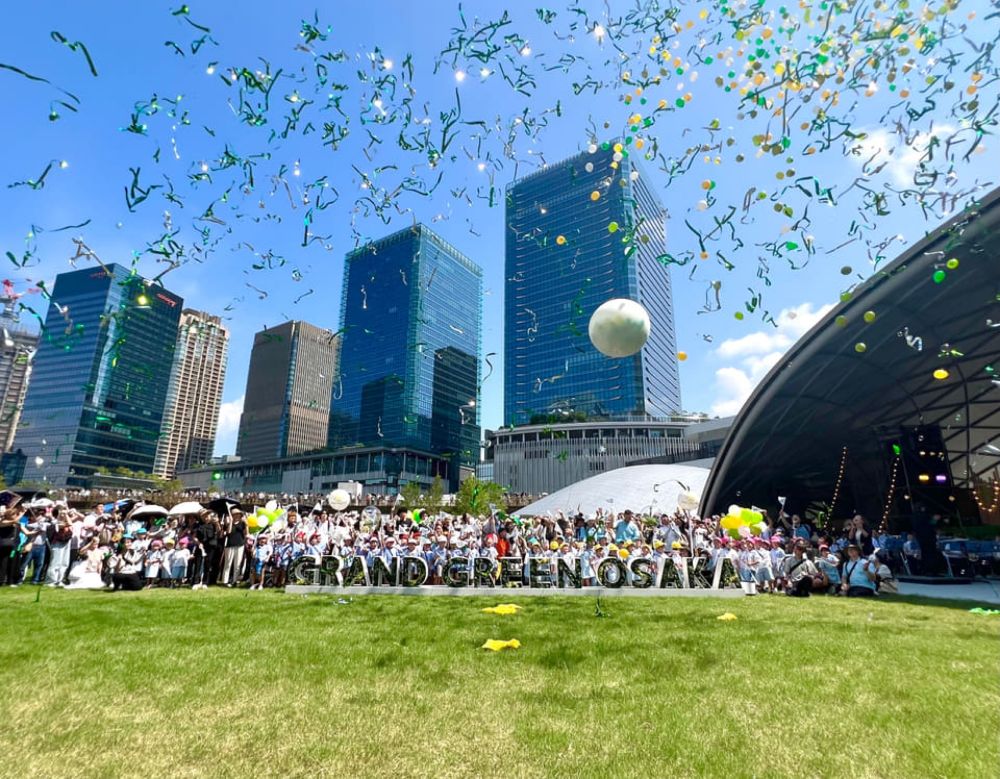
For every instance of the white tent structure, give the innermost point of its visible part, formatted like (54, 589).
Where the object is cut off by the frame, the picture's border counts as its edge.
(646, 489)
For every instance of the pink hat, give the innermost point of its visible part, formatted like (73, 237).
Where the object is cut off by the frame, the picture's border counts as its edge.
(775, 541)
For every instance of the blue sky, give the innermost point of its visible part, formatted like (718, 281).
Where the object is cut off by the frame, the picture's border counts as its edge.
(258, 273)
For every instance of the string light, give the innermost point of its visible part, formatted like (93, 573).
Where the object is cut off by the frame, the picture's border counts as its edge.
(890, 495)
(840, 480)
(988, 509)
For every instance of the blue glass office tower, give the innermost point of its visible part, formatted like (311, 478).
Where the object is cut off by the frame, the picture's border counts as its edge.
(100, 377)
(562, 262)
(410, 319)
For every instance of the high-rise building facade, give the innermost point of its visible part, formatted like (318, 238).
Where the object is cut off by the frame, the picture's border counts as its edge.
(286, 409)
(194, 396)
(579, 233)
(411, 316)
(17, 353)
(100, 376)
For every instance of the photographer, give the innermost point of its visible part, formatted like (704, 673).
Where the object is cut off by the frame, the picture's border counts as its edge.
(858, 580)
(799, 572)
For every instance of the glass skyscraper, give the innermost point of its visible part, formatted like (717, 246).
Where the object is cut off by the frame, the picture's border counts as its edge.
(410, 320)
(100, 377)
(579, 233)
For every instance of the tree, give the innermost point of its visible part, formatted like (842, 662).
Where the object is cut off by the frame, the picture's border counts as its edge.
(474, 497)
(411, 494)
(435, 495)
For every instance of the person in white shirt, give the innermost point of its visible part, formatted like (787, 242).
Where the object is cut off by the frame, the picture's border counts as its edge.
(765, 571)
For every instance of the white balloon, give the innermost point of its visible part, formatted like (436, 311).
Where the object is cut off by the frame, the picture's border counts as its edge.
(339, 499)
(687, 501)
(39, 462)
(619, 327)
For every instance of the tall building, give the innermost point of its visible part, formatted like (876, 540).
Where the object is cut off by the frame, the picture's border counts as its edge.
(194, 396)
(286, 409)
(17, 354)
(579, 233)
(100, 376)
(410, 315)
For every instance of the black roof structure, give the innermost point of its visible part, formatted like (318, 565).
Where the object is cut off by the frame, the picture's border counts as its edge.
(857, 384)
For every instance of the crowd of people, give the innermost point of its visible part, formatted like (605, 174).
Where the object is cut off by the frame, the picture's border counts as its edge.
(110, 547)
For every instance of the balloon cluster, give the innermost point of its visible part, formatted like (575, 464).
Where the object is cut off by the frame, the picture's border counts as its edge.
(743, 523)
(272, 516)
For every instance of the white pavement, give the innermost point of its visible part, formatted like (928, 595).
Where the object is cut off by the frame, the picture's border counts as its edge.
(981, 591)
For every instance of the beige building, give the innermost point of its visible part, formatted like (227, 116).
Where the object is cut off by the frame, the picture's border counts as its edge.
(194, 396)
(286, 410)
(16, 355)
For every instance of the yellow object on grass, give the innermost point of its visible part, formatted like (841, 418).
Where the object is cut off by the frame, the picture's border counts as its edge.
(727, 617)
(502, 609)
(495, 644)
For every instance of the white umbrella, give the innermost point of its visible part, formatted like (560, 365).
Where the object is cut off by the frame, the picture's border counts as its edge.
(187, 507)
(149, 510)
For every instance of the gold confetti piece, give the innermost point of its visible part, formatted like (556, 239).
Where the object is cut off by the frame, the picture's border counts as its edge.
(496, 645)
(502, 609)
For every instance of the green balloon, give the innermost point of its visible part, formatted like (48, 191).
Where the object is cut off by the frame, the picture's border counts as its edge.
(939, 276)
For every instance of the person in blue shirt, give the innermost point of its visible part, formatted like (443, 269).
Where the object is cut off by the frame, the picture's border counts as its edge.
(828, 564)
(626, 529)
(800, 529)
(858, 578)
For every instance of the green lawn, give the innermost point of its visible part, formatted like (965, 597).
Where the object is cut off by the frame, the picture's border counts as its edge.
(234, 683)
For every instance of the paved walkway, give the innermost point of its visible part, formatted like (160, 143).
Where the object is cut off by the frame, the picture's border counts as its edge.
(982, 591)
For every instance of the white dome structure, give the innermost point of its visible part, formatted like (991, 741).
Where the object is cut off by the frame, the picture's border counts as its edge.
(646, 489)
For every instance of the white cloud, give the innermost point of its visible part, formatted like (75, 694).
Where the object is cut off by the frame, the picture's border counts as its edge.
(900, 158)
(755, 354)
(229, 425)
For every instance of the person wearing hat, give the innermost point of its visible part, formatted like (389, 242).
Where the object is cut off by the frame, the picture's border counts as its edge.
(175, 561)
(764, 573)
(153, 561)
(828, 565)
(389, 551)
(626, 529)
(860, 575)
(232, 555)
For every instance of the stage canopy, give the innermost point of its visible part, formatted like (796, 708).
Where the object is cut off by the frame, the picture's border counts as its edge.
(913, 353)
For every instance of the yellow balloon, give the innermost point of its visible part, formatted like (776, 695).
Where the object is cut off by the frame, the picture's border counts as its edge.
(731, 522)
(682, 356)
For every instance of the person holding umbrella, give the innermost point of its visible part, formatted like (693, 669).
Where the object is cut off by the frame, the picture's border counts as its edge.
(207, 534)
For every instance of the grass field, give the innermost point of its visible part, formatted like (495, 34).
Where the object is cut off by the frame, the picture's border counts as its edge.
(234, 683)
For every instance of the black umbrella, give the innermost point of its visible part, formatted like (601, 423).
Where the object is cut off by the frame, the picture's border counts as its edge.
(222, 506)
(10, 499)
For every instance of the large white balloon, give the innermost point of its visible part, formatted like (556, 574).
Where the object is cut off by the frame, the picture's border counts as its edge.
(619, 327)
(339, 499)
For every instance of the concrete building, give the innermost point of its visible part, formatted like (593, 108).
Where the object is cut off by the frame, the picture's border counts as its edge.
(286, 410)
(540, 459)
(17, 353)
(381, 470)
(194, 395)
